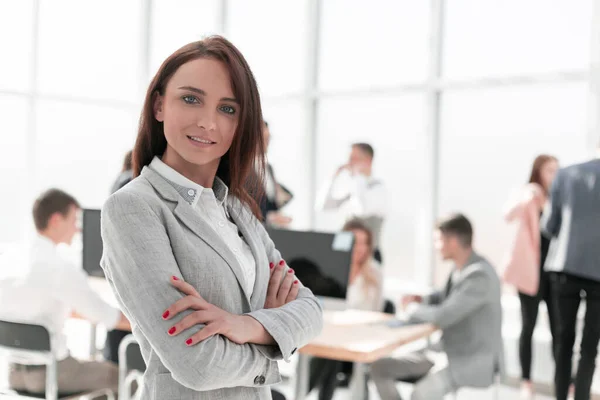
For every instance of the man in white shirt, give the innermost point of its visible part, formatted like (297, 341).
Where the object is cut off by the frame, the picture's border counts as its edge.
(356, 194)
(39, 287)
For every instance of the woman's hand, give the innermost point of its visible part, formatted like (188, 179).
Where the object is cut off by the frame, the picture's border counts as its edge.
(280, 293)
(239, 329)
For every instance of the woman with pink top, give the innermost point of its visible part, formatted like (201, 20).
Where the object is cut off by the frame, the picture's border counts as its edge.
(525, 266)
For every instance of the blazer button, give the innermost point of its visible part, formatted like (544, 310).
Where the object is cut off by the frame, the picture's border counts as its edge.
(257, 380)
(262, 380)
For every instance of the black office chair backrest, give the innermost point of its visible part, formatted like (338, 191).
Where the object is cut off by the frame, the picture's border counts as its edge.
(135, 361)
(24, 336)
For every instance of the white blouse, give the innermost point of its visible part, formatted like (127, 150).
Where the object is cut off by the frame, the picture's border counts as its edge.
(212, 203)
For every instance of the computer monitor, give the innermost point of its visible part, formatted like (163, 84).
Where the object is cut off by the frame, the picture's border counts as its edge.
(320, 260)
(92, 243)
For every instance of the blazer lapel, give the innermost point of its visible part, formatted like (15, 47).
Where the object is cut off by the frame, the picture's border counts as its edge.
(197, 223)
(242, 217)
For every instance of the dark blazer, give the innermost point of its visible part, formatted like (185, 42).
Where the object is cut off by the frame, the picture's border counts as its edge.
(572, 220)
(267, 204)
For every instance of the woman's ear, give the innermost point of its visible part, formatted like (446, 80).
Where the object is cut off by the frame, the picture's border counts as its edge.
(157, 107)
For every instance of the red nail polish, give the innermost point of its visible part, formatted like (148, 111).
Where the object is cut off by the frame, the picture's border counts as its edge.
(172, 330)
(290, 271)
(271, 265)
(188, 342)
(166, 314)
(296, 281)
(281, 262)
(175, 278)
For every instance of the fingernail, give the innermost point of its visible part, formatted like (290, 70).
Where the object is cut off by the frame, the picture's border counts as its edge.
(166, 314)
(188, 342)
(296, 281)
(281, 262)
(290, 271)
(172, 330)
(271, 265)
(175, 278)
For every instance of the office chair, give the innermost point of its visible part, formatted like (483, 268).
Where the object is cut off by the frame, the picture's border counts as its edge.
(32, 344)
(131, 368)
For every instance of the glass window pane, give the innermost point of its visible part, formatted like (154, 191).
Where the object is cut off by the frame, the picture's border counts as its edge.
(395, 127)
(90, 49)
(16, 47)
(489, 37)
(272, 35)
(288, 152)
(80, 148)
(176, 23)
(13, 168)
(372, 44)
(489, 140)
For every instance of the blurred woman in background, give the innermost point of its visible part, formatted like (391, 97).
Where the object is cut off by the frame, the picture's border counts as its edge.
(365, 292)
(525, 266)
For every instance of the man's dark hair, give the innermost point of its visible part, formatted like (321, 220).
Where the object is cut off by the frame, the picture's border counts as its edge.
(366, 148)
(459, 226)
(50, 202)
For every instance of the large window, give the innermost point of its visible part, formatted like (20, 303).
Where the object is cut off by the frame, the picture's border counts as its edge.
(514, 82)
(371, 44)
(513, 37)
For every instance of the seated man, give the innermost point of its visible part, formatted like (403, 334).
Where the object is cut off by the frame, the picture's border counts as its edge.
(469, 313)
(39, 287)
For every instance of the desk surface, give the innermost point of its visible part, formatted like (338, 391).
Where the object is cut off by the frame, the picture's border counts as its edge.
(361, 336)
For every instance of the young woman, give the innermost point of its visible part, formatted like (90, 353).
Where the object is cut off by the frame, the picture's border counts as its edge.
(210, 301)
(365, 292)
(525, 268)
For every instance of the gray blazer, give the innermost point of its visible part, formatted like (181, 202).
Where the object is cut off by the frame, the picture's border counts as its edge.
(572, 220)
(150, 233)
(470, 316)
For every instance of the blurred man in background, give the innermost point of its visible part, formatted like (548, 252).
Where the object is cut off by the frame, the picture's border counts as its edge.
(467, 310)
(356, 194)
(42, 288)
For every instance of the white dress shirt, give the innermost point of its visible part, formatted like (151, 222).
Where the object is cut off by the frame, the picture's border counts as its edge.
(364, 295)
(38, 286)
(355, 196)
(212, 204)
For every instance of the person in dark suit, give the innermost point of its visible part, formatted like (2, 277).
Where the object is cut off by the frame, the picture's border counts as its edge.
(572, 219)
(276, 196)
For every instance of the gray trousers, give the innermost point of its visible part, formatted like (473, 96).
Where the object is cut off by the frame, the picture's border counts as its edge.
(73, 377)
(412, 367)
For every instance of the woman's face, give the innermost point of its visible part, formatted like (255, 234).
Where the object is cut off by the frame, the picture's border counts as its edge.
(548, 172)
(199, 114)
(361, 251)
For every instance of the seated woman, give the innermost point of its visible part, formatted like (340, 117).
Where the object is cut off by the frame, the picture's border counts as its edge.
(365, 292)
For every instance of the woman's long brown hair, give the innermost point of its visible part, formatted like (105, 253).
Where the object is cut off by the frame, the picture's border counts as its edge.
(536, 169)
(242, 167)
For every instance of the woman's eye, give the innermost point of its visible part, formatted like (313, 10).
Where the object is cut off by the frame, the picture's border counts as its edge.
(190, 99)
(228, 109)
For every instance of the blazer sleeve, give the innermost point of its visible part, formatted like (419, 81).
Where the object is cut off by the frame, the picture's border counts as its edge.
(465, 298)
(296, 323)
(552, 216)
(138, 261)
(434, 298)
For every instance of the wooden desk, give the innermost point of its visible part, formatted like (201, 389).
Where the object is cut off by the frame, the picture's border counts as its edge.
(356, 336)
